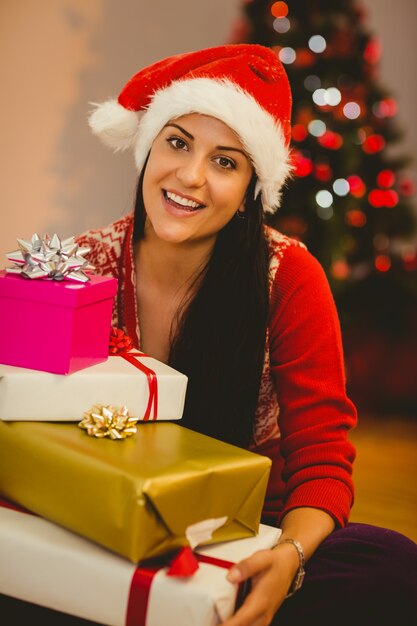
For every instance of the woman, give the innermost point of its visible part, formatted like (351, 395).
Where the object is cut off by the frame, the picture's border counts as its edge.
(248, 315)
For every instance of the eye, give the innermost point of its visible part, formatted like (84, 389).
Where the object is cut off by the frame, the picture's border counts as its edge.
(177, 143)
(225, 163)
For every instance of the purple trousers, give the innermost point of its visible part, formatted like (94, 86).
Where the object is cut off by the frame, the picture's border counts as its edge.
(361, 575)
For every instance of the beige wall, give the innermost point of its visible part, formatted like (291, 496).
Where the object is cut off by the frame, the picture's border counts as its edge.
(56, 56)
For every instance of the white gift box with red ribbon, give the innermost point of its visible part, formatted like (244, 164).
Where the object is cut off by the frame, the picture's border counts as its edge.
(148, 388)
(47, 565)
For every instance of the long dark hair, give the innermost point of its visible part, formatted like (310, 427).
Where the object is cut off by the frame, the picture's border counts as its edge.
(220, 338)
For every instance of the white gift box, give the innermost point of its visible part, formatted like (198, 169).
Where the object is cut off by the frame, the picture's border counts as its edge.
(47, 565)
(33, 395)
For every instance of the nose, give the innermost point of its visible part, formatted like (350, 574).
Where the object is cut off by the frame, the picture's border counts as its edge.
(192, 171)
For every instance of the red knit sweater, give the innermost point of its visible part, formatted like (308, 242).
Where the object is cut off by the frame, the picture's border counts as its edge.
(303, 415)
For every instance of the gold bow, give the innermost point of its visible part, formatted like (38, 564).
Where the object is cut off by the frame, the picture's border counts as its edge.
(108, 421)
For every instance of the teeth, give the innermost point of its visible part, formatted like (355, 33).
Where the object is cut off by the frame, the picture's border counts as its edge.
(182, 201)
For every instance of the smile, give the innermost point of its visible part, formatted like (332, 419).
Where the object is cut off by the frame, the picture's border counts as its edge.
(181, 202)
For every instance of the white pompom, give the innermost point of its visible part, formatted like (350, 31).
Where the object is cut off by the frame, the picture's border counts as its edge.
(115, 125)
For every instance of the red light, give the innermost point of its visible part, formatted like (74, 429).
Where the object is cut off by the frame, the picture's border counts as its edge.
(330, 140)
(376, 198)
(407, 187)
(382, 263)
(373, 143)
(299, 132)
(390, 198)
(357, 186)
(279, 9)
(391, 107)
(323, 172)
(340, 270)
(385, 178)
(356, 218)
(372, 52)
(303, 165)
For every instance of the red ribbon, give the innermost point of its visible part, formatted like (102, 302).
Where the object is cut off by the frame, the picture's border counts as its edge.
(151, 411)
(142, 580)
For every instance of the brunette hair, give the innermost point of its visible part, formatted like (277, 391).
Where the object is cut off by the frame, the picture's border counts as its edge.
(221, 334)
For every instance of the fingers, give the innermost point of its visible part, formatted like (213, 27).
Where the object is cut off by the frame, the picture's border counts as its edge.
(248, 568)
(254, 612)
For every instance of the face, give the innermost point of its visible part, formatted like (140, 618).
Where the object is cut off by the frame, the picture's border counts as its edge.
(195, 180)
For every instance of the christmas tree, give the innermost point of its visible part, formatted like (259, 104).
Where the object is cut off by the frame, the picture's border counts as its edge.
(349, 200)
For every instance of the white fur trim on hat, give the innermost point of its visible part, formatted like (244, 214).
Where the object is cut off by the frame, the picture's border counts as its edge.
(115, 125)
(260, 135)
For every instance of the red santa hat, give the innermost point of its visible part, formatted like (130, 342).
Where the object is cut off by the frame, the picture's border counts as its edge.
(243, 85)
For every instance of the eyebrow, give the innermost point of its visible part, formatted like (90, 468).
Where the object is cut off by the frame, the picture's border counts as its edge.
(190, 136)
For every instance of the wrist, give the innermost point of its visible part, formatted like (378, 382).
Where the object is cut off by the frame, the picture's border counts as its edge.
(298, 578)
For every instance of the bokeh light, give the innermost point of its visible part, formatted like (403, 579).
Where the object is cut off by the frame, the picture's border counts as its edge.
(325, 213)
(341, 187)
(330, 140)
(382, 263)
(351, 110)
(287, 55)
(324, 198)
(299, 132)
(317, 43)
(373, 143)
(385, 178)
(357, 186)
(355, 217)
(281, 24)
(312, 82)
(279, 9)
(317, 128)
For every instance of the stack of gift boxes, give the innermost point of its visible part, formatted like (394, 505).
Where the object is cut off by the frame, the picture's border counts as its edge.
(111, 510)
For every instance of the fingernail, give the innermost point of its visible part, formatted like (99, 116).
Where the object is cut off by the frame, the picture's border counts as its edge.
(234, 575)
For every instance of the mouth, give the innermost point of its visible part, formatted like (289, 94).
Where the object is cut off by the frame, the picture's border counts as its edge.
(182, 202)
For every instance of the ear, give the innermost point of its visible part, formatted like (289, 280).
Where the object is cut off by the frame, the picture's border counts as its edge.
(242, 208)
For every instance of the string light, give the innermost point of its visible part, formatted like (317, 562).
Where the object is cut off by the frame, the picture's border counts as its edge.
(299, 132)
(382, 263)
(357, 186)
(279, 9)
(351, 110)
(373, 143)
(317, 44)
(281, 25)
(324, 198)
(383, 198)
(312, 82)
(287, 55)
(385, 108)
(317, 128)
(323, 172)
(356, 218)
(385, 178)
(340, 270)
(303, 166)
(330, 140)
(372, 52)
(325, 213)
(341, 187)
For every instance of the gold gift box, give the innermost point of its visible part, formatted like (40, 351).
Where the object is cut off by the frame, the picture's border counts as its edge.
(138, 495)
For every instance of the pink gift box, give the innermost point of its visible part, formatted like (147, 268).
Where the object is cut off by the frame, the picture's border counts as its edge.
(57, 327)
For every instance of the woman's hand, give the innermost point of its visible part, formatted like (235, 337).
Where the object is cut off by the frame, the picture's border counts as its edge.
(272, 572)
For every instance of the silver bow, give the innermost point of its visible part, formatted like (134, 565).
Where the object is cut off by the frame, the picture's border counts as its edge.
(50, 258)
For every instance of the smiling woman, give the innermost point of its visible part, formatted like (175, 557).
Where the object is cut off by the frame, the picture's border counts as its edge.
(247, 314)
